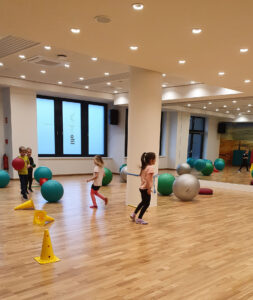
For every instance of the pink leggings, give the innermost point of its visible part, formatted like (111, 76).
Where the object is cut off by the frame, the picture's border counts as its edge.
(93, 193)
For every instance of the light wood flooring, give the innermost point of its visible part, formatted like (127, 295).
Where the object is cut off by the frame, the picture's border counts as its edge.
(190, 250)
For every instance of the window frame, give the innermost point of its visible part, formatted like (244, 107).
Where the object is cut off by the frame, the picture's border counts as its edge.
(194, 131)
(58, 119)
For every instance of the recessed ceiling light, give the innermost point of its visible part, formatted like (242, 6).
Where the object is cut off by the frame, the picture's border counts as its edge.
(138, 6)
(189, 105)
(204, 107)
(163, 75)
(217, 109)
(209, 103)
(221, 73)
(86, 86)
(81, 78)
(43, 71)
(108, 83)
(94, 58)
(75, 30)
(238, 108)
(249, 104)
(66, 65)
(244, 50)
(22, 56)
(1, 64)
(115, 92)
(181, 61)
(196, 30)
(225, 105)
(248, 110)
(227, 112)
(192, 82)
(234, 101)
(239, 114)
(164, 85)
(60, 82)
(247, 81)
(133, 48)
(47, 47)
(22, 76)
(106, 74)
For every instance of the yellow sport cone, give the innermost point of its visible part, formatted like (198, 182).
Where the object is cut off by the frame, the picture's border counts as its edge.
(47, 254)
(41, 217)
(26, 205)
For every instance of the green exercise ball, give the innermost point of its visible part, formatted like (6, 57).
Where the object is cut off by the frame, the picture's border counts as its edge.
(122, 166)
(208, 170)
(219, 164)
(165, 183)
(190, 161)
(52, 190)
(208, 160)
(107, 178)
(42, 172)
(252, 173)
(4, 178)
(199, 164)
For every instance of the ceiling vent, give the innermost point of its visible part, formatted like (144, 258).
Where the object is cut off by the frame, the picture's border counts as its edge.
(115, 77)
(11, 44)
(45, 61)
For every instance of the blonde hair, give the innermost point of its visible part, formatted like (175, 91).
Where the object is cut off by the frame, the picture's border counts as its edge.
(98, 160)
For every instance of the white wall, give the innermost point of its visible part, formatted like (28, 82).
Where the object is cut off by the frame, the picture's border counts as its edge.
(2, 138)
(212, 139)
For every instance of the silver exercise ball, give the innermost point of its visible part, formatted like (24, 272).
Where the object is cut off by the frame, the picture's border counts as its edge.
(183, 168)
(186, 187)
(123, 174)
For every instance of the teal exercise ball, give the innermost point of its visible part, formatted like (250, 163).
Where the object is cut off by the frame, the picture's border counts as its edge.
(219, 164)
(208, 160)
(4, 179)
(199, 164)
(190, 161)
(107, 178)
(42, 172)
(165, 183)
(121, 167)
(208, 170)
(52, 191)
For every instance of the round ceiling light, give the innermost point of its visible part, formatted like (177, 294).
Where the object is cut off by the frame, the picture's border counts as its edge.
(138, 6)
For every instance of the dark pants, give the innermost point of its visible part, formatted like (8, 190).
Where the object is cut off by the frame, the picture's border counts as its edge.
(30, 178)
(23, 183)
(144, 204)
(244, 163)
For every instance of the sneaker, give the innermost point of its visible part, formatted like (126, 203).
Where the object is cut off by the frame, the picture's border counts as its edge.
(106, 201)
(132, 216)
(93, 206)
(239, 171)
(30, 190)
(140, 221)
(25, 196)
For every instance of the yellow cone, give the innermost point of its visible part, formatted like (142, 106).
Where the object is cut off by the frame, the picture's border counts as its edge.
(41, 217)
(26, 205)
(47, 254)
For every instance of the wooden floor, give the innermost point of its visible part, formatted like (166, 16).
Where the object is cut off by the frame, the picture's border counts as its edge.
(190, 250)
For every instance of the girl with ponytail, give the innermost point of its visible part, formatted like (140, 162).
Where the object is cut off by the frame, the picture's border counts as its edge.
(147, 171)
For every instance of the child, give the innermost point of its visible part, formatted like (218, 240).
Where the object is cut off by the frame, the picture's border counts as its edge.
(147, 171)
(23, 173)
(97, 180)
(30, 169)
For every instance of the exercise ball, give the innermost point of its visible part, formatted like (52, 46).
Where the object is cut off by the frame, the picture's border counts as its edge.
(208, 160)
(107, 178)
(123, 174)
(165, 182)
(122, 166)
(199, 164)
(43, 180)
(208, 169)
(4, 178)
(52, 191)
(186, 187)
(190, 161)
(42, 172)
(219, 164)
(183, 168)
(252, 173)
(18, 163)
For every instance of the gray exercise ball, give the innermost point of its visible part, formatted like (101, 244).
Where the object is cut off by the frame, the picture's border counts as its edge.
(123, 174)
(186, 187)
(183, 168)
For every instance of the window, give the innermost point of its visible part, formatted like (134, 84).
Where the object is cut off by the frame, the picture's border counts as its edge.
(70, 127)
(196, 137)
(45, 126)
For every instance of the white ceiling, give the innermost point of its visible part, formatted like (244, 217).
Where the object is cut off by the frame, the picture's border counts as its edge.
(163, 32)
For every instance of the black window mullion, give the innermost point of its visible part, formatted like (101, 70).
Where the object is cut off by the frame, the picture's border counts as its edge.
(105, 129)
(58, 128)
(85, 128)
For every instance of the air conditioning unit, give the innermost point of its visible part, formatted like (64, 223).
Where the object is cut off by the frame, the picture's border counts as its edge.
(45, 61)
